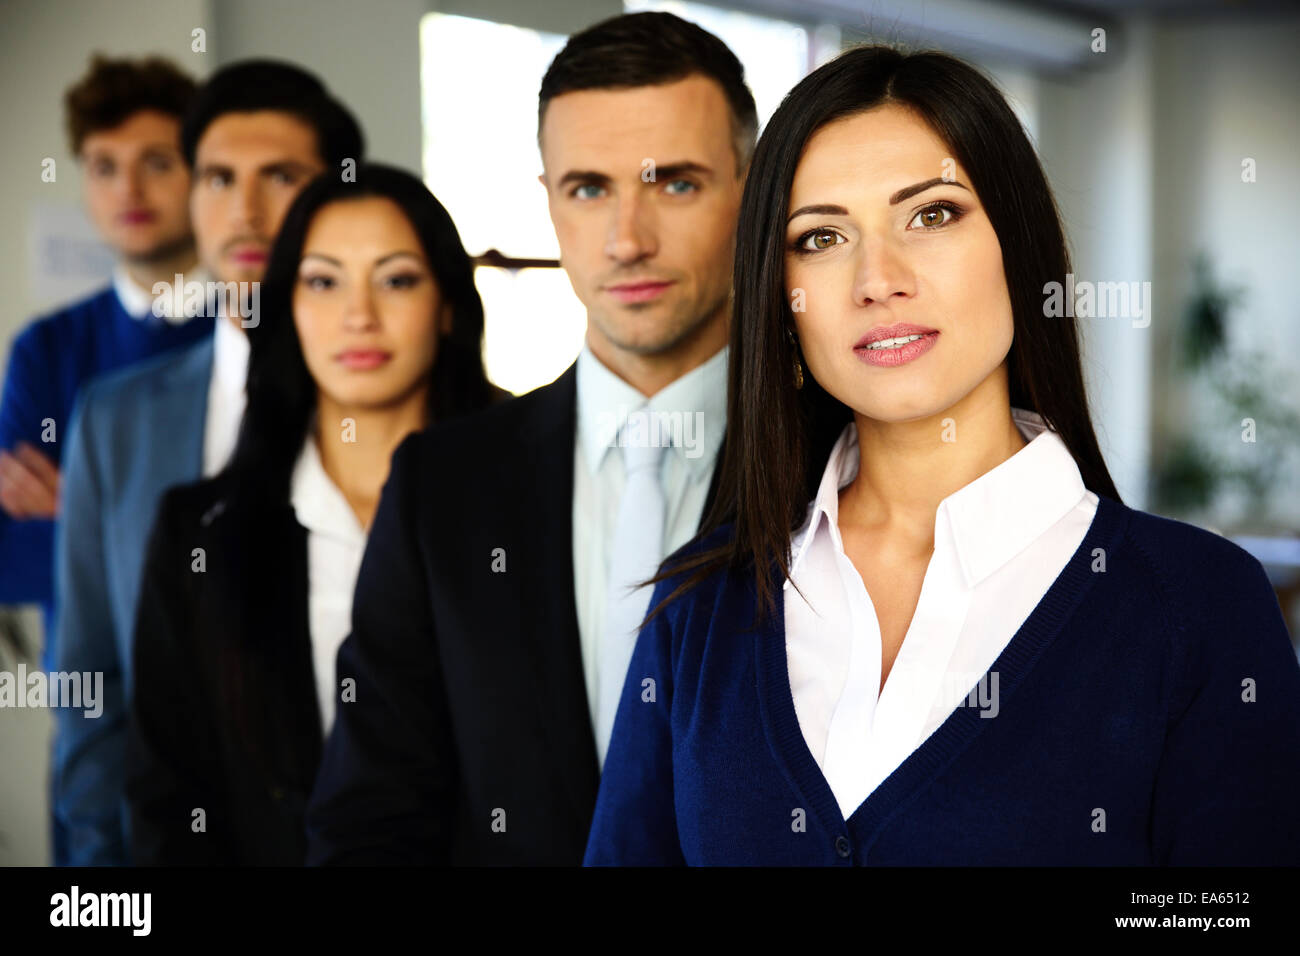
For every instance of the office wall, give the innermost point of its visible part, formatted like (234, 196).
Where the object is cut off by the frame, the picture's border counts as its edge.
(1224, 92)
(369, 54)
(1145, 153)
(1096, 144)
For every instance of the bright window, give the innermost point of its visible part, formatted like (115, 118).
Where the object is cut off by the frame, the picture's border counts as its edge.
(480, 82)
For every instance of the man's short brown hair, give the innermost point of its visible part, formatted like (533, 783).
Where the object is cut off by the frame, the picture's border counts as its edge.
(650, 49)
(115, 89)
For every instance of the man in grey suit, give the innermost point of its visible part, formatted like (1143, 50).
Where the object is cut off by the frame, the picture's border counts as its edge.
(256, 134)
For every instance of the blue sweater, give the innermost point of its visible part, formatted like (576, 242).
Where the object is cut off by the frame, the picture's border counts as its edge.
(49, 362)
(1149, 714)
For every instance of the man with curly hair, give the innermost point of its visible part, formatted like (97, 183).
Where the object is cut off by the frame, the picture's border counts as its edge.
(124, 122)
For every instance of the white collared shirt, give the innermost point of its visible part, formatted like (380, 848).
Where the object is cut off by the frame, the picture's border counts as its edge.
(335, 544)
(604, 403)
(999, 543)
(138, 302)
(226, 395)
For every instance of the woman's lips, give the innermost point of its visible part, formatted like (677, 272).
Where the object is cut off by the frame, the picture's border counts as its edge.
(137, 217)
(363, 359)
(638, 291)
(897, 349)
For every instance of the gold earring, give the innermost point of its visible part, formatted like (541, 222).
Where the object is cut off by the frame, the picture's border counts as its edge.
(798, 369)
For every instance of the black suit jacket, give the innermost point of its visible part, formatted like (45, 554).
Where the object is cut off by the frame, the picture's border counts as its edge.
(224, 714)
(470, 740)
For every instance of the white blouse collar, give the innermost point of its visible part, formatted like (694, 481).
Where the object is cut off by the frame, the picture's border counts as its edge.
(992, 519)
(318, 503)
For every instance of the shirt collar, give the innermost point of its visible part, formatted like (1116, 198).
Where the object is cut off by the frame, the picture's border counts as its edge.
(992, 519)
(230, 350)
(1006, 509)
(138, 302)
(698, 400)
(841, 468)
(318, 503)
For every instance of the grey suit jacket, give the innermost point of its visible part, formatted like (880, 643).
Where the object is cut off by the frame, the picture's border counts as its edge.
(134, 434)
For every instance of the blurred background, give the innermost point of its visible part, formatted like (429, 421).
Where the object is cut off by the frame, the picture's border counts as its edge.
(1168, 130)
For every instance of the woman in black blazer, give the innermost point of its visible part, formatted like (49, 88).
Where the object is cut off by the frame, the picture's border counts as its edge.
(370, 328)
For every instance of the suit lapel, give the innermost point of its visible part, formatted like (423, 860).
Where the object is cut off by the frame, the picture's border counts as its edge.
(548, 452)
(305, 735)
(165, 448)
(274, 649)
(177, 440)
(548, 441)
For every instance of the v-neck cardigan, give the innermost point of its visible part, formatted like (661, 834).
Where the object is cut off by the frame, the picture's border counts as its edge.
(1148, 713)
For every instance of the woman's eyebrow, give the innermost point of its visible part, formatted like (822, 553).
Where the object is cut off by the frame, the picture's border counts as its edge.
(379, 262)
(907, 192)
(320, 255)
(822, 209)
(401, 252)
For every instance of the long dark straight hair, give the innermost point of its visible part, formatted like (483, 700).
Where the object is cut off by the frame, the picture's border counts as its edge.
(282, 398)
(281, 391)
(777, 434)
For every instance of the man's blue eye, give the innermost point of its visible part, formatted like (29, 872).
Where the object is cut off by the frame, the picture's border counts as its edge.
(690, 187)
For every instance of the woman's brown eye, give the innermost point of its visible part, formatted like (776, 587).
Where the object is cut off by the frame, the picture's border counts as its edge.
(828, 236)
(935, 216)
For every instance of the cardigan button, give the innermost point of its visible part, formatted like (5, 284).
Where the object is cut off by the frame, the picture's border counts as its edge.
(842, 846)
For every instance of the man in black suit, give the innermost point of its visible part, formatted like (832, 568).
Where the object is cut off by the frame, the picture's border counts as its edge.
(491, 620)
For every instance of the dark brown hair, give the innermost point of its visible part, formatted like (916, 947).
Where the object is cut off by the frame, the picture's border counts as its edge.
(282, 395)
(776, 434)
(249, 86)
(115, 89)
(650, 49)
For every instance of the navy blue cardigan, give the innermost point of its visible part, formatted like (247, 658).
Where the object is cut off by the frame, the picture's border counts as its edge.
(50, 361)
(1148, 714)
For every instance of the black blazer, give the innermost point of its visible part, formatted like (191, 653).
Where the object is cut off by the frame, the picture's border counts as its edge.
(470, 740)
(224, 716)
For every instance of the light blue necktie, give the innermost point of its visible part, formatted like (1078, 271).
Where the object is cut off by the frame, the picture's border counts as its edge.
(637, 551)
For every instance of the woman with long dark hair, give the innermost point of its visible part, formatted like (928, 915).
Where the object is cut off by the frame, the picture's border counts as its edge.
(965, 649)
(370, 327)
